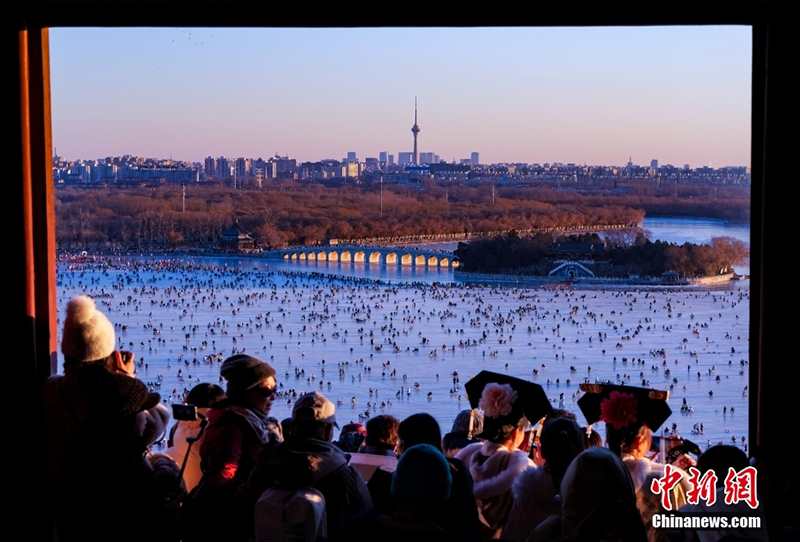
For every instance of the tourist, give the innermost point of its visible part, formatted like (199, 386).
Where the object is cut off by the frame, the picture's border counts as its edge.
(106, 487)
(202, 396)
(88, 337)
(309, 459)
(495, 463)
(351, 437)
(380, 445)
(467, 424)
(537, 489)
(598, 502)
(420, 486)
(460, 507)
(630, 415)
(239, 429)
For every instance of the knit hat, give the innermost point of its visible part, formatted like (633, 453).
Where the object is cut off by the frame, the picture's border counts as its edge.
(243, 373)
(113, 395)
(314, 407)
(422, 474)
(88, 335)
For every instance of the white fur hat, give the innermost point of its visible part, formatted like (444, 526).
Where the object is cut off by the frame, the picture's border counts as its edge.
(88, 335)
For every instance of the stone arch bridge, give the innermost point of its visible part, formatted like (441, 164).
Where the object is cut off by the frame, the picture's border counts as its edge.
(372, 255)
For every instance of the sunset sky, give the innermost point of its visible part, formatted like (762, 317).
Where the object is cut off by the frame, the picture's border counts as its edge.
(583, 95)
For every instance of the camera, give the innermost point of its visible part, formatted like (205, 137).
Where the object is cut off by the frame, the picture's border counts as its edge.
(187, 413)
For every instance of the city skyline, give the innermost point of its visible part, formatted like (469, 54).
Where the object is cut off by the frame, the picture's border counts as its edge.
(533, 95)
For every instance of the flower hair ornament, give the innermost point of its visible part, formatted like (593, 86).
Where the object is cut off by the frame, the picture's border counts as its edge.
(497, 399)
(619, 409)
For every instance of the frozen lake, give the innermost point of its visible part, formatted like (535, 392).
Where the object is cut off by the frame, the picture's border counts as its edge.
(393, 348)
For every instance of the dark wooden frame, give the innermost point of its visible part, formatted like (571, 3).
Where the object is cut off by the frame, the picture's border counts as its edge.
(31, 281)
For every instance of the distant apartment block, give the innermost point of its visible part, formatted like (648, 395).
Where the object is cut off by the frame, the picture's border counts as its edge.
(428, 158)
(405, 158)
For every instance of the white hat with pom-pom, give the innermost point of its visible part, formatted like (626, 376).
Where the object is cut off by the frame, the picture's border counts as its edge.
(88, 334)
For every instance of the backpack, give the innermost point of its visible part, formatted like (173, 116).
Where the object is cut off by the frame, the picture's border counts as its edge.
(296, 515)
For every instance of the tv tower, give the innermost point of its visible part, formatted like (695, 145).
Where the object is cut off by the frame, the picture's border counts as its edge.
(415, 131)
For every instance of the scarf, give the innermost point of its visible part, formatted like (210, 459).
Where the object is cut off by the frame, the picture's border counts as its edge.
(266, 428)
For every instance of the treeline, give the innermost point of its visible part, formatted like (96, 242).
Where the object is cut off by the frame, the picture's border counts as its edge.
(289, 212)
(688, 260)
(293, 214)
(731, 203)
(627, 255)
(503, 253)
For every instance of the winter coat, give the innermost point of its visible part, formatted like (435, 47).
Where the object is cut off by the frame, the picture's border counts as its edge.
(302, 462)
(107, 490)
(230, 448)
(65, 411)
(183, 430)
(458, 511)
(493, 468)
(596, 480)
(229, 451)
(535, 499)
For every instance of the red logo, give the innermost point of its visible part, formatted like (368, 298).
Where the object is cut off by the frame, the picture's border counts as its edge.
(739, 486)
(704, 487)
(665, 484)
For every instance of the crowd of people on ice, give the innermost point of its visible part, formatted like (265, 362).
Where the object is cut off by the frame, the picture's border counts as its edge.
(233, 472)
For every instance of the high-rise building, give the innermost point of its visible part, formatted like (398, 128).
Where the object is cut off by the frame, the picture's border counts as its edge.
(475, 160)
(243, 166)
(211, 167)
(415, 131)
(351, 157)
(285, 167)
(223, 168)
(405, 158)
(383, 157)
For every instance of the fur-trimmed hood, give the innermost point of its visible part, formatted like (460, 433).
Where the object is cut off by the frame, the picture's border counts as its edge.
(493, 467)
(532, 482)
